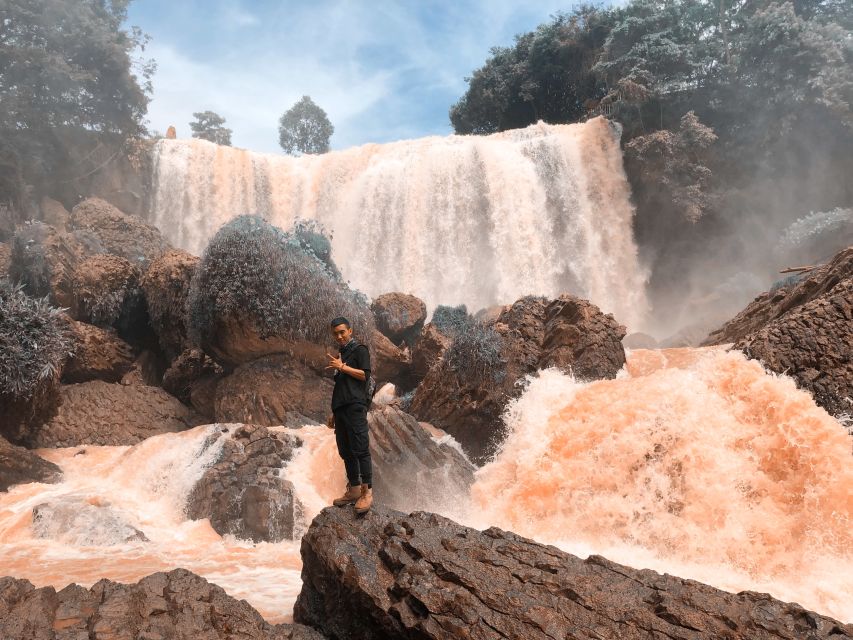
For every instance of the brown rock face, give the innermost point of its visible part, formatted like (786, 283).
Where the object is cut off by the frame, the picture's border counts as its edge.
(265, 390)
(428, 350)
(5, 259)
(166, 284)
(389, 362)
(19, 466)
(410, 469)
(189, 367)
(120, 234)
(99, 354)
(242, 493)
(54, 213)
(813, 344)
(399, 316)
(178, 605)
(388, 575)
(468, 400)
(100, 413)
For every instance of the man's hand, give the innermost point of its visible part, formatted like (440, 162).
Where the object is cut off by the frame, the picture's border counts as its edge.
(330, 422)
(334, 363)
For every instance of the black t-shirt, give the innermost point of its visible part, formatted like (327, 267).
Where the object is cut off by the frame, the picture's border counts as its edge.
(348, 389)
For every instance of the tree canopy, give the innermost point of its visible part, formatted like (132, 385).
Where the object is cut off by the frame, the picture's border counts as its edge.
(305, 128)
(209, 125)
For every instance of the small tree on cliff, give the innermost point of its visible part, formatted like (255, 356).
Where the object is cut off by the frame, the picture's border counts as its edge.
(305, 128)
(208, 125)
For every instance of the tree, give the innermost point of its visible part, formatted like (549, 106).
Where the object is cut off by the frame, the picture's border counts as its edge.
(305, 128)
(208, 126)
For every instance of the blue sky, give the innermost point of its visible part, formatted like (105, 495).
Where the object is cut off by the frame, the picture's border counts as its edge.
(382, 70)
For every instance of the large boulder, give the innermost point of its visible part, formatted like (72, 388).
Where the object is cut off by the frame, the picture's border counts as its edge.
(81, 521)
(120, 234)
(399, 316)
(428, 350)
(166, 284)
(177, 605)
(242, 493)
(813, 344)
(411, 470)
(422, 576)
(100, 413)
(390, 363)
(185, 371)
(266, 390)
(54, 213)
(466, 392)
(99, 354)
(19, 466)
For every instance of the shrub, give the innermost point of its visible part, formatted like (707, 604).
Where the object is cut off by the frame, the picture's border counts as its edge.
(450, 320)
(475, 353)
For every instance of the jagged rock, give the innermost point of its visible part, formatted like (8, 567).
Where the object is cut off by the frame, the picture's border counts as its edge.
(399, 317)
(166, 284)
(177, 605)
(812, 343)
(265, 390)
(120, 234)
(390, 363)
(81, 521)
(389, 575)
(100, 413)
(54, 213)
(466, 397)
(428, 350)
(639, 341)
(776, 303)
(19, 466)
(410, 469)
(242, 493)
(191, 366)
(106, 293)
(99, 354)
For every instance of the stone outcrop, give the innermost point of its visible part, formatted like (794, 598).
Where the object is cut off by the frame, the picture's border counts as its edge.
(265, 390)
(177, 605)
(106, 293)
(390, 363)
(410, 469)
(399, 317)
(467, 398)
(166, 284)
(428, 350)
(242, 493)
(19, 466)
(776, 303)
(813, 344)
(389, 575)
(186, 370)
(120, 234)
(83, 522)
(100, 413)
(54, 213)
(99, 354)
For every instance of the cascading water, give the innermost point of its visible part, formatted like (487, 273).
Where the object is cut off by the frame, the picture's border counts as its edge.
(460, 219)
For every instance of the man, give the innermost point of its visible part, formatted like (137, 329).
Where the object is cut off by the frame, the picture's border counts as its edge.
(349, 415)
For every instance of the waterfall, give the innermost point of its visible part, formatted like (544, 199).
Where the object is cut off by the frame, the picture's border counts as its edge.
(479, 220)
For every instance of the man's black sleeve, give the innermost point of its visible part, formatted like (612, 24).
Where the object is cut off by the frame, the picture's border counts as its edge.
(362, 360)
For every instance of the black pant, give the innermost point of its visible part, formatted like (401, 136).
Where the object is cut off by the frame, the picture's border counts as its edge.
(353, 438)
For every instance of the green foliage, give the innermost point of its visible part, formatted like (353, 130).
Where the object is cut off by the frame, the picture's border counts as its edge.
(256, 272)
(450, 320)
(305, 128)
(209, 125)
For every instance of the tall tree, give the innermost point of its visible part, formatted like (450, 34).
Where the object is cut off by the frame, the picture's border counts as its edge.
(305, 128)
(209, 125)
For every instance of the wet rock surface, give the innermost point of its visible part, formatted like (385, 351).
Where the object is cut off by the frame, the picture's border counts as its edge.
(399, 316)
(410, 469)
(242, 493)
(20, 466)
(101, 413)
(99, 354)
(106, 293)
(534, 333)
(177, 605)
(166, 284)
(391, 575)
(186, 370)
(83, 521)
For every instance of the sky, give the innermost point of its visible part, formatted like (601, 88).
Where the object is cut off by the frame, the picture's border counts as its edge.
(382, 70)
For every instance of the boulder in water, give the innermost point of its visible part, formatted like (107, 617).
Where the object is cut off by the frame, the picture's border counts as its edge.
(399, 317)
(80, 521)
(242, 493)
(20, 466)
(99, 354)
(166, 284)
(391, 575)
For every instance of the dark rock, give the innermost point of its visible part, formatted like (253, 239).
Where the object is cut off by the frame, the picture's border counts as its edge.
(148, 369)
(242, 493)
(106, 293)
(265, 390)
(99, 354)
(639, 341)
(166, 284)
(120, 234)
(812, 343)
(428, 350)
(100, 413)
(399, 317)
(54, 213)
(177, 605)
(410, 470)
(203, 395)
(466, 393)
(390, 363)
(192, 365)
(389, 575)
(20, 466)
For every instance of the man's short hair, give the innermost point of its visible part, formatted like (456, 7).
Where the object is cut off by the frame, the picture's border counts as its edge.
(340, 320)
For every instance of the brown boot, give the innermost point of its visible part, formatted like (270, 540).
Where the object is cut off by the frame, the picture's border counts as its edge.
(364, 503)
(352, 494)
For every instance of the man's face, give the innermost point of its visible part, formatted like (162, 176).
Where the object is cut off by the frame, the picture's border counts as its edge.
(342, 334)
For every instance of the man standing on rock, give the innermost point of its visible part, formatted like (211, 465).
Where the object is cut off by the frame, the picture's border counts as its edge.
(349, 415)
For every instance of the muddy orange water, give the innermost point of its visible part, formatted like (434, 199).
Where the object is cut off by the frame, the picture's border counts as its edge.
(693, 462)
